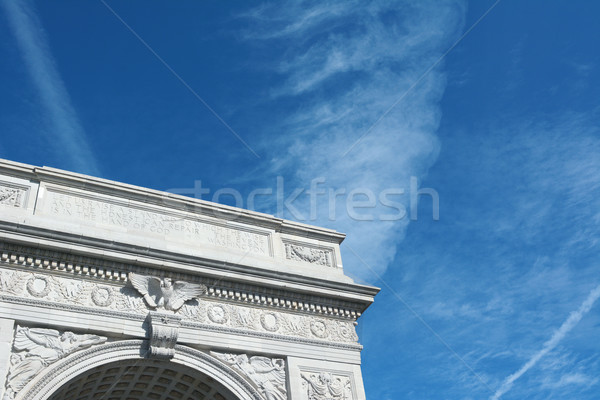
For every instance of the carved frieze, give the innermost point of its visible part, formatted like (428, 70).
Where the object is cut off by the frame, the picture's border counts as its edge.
(63, 291)
(114, 273)
(266, 374)
(326, 385)
(309, 254)
(36, 348)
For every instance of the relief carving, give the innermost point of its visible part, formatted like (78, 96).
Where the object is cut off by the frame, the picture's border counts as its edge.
(164, 293)
(269, 321)
(36, 348)
(308, 254)
(326, 386)
(64, 292)
(102, 296)
(194, 310)
(11, 196)
(164, 330)
(12, 281)
(245, 317)
(218, 313)
(93, 269)
(267, 374)
(318, 328)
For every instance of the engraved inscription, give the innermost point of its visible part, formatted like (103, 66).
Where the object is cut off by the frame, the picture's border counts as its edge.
(139, 219)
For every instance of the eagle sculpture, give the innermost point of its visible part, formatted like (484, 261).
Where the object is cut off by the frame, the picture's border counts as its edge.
(164, 293)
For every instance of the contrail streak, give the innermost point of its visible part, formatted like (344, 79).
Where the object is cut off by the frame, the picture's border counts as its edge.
(569, 324)
(68, 134)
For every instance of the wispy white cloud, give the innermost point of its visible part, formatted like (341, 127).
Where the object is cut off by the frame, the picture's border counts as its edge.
(511, 258)
(346, 63)
(559, 335)
(65, 129)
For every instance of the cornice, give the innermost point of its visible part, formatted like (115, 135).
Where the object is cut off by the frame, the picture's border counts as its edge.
(165, 199)
(114, 272)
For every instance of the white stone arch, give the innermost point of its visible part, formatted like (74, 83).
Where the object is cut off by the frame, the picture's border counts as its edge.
(54, 376)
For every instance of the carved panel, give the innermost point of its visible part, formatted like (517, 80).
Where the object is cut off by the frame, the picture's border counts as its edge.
(327, 385)
(266, 374)
(308, 254)
(13, 196)
(36, 348)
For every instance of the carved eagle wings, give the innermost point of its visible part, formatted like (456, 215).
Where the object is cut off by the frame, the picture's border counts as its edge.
(164, 293)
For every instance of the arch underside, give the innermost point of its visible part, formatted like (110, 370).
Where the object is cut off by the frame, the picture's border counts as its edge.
(140, 380)
(121, 371)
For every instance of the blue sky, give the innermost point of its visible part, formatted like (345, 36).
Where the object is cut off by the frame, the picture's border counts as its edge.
(496, 298)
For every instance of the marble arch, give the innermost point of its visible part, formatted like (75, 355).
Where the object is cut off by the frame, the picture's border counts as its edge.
(259, 307)
(52, 382)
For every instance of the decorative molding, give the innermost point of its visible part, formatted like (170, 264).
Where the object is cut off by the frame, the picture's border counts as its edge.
(327, 385)
(64, 293)
(52, 378)
(36, 348)
(351, 346)
(309, 254)
(116, 273)
(266, 374)
(164, 330)
(13, 195)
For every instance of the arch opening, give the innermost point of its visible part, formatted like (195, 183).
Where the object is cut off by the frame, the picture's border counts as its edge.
(141, 380)
(120, 371)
